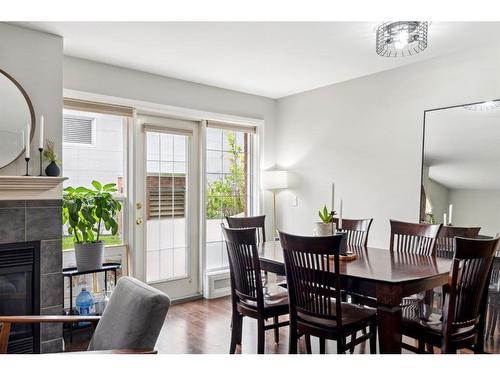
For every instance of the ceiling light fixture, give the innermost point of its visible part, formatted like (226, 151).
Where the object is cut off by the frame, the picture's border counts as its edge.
(401, 38)
(484, 106)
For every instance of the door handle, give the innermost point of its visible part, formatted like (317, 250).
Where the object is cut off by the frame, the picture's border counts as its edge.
(139, 221)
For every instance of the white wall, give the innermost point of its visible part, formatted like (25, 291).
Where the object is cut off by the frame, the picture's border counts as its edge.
(88, 76)
(366, 136)
(34, 59)
(477, 208)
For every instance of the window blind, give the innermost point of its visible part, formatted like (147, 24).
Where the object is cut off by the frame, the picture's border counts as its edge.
(165, 129)
(88, 106)
(233, 127)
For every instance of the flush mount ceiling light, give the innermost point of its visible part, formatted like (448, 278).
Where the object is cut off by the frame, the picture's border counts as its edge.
(484, 106)
(401, 38)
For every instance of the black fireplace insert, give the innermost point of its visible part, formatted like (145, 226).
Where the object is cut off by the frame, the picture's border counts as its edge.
(20, 292)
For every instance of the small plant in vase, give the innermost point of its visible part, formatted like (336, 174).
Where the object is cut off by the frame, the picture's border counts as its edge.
(87, 212)
(325, 227)
(50, 155)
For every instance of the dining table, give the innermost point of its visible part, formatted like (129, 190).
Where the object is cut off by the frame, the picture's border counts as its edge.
(382, 276)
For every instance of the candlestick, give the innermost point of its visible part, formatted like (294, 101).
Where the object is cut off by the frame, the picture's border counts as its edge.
(40, 149)
(42, 124)
(445, 219)
(27, 166)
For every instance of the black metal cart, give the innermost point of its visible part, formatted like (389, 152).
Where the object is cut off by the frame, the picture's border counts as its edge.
(73, 271)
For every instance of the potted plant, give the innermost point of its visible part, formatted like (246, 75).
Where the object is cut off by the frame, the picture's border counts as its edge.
(50, 155)
(87, 212)
(325, 227)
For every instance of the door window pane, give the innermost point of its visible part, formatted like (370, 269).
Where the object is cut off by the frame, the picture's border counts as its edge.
(166, 191)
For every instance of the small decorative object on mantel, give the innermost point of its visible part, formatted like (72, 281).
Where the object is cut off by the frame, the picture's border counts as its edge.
(88, 212)
(50, 155)
(27, 147)
(325, 227)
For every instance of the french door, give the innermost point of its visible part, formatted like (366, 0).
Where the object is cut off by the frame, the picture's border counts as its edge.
(167, 210)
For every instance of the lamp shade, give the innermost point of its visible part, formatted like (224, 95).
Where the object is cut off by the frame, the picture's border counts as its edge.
(271, 180)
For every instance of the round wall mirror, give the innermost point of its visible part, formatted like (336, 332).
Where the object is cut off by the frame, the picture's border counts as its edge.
(16, 112)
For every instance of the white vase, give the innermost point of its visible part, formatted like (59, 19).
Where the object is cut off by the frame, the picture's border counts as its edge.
(89, 256)
(325, 229)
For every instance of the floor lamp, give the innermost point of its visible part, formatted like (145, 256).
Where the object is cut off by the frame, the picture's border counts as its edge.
(274, 180)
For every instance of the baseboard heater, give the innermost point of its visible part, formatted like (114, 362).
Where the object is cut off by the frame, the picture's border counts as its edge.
(217, 284)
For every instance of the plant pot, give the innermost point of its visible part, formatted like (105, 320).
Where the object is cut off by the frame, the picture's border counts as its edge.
(325, 229)
(89, 256)
(52, 170)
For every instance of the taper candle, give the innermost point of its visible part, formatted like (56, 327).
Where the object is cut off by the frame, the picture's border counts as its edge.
(450, 214)
(42, 124)
(333, 197)
(340, 214)
(27, 142)
(445, 219)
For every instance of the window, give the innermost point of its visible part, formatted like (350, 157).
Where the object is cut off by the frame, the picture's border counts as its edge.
(229, 189)
(94, 148)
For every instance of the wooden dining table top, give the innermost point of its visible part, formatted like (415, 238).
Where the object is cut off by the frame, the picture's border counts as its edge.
(371, 263)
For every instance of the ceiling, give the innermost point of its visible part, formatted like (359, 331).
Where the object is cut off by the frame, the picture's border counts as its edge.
(462, 148)
(272, 59)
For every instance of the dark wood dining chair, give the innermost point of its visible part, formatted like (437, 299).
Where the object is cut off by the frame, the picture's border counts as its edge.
(356, 230)
(458, 324)
(493, 298)
(414, 238)
(445, 242)
(316, 308)
(258, 222)
(248, 295)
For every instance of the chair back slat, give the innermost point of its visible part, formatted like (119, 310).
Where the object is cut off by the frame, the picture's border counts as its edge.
(467, 281)
(356, 230)
(313, 278)
(445, 243)
(258, 222)
(244, 264)
(413, 238)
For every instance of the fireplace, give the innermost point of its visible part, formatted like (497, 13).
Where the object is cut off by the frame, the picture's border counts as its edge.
(20, 292)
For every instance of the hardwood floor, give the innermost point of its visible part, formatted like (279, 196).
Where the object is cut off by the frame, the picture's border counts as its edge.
(203, 326)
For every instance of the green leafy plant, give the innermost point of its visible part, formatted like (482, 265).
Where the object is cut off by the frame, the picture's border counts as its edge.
(325, 215)
(226, 197)
(49, 153)
(87, 211)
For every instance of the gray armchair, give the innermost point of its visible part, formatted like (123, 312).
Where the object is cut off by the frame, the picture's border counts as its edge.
(130, 323)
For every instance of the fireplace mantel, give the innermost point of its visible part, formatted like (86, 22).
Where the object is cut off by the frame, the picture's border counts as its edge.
(30, 187)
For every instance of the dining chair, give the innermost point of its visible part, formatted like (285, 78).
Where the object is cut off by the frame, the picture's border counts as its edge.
(494, 295)
(316, 308)
(248, 295)
(258, 222)
(458, 324)
(413, 238)
(130, 323)
(444, 241)
(356, 230)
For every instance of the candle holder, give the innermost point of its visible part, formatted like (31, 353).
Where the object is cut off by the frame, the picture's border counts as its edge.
(27, 166)
(40, 149)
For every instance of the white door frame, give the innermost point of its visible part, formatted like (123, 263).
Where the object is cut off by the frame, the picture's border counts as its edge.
(157, 109)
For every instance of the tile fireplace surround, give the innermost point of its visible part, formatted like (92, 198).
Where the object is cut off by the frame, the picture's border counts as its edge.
(40, 220)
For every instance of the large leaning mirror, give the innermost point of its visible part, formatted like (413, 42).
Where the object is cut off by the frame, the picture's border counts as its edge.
(16, 112)
(461, 167)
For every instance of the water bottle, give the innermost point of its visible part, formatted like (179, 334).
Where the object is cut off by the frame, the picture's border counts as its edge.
(85, 303)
